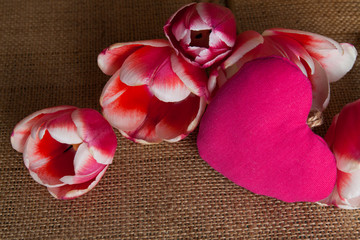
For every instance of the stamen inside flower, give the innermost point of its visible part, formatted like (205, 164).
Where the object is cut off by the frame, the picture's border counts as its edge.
(75, 146)
(200, 38)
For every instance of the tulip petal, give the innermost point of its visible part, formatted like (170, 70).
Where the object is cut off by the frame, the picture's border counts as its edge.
(294, 51)
(213, 79)
(194, 21)
(245, 42)
(23, 129)
(75, 190)
(177, 27)
(38, 129)
(216, 43)
(97, 133)
(84, 162)
(177, 119)
(113, 89)
(123, 106)
(208, 57)
(140, 67)
(347, 150)
(85, 166)
(181, 33)
(48, 159)
(220, 19)
(320, 88)
(334, 199)
(267, 48)
(146, 132)
(166, 85)
(337, 59)
(62, 129)
(193, 124)
(348, 184)
(78, 179)
(311, 41)
(353, 203)
(112, 58)
(193, 77)
(338, 62)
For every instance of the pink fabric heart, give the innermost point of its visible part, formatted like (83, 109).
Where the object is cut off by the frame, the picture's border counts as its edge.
(254, 132)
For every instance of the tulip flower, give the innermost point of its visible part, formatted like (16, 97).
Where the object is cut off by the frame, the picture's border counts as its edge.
(343, 138)
(66, 149)
(153, 94)
(203, 33)
(321, 59)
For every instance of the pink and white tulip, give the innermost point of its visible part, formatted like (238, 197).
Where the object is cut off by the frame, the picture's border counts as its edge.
(203, 33)
(343, 137)
(153, 94)
(66, 149)
(321, 59)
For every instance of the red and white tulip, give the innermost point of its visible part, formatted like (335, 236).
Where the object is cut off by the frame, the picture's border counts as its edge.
(66, 149)
(343, 138)
(203, 33)
(153, 94)
(321, 59)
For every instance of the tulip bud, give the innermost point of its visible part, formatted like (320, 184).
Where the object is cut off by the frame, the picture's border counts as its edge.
(203, 33)
(66, 149)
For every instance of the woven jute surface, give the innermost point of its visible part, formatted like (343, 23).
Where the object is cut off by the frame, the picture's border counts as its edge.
(48, 57)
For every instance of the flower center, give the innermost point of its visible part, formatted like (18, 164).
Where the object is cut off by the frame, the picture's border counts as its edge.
(75, 146)
(200, 38)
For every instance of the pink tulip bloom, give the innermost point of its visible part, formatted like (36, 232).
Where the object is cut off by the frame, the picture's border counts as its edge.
(66, 149)
(153, 94)
(321, 59)
(203, 33)
(343, 138)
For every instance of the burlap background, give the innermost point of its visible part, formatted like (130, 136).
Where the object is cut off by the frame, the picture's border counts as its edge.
(48, 55)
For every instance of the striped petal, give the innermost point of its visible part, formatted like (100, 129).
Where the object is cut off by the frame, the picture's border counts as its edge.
(193, 77)
(23, 129)
(220, 19)
(48, 160)
(334, 199)
(346, 145)
(348, 184)
(62, 129)
(166, 85)
(181, 118)
(112, 58)
(338, 62)
(336, 58)
(140, 67)
(146, 133)
(85, 166)
(245, 42)
(294, 52)
(320, 88)
(177, 28)
(123, 106)
(75, 190)
(209, 57)
(97, 133)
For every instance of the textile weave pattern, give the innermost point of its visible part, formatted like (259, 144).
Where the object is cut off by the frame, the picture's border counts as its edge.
(165, 191)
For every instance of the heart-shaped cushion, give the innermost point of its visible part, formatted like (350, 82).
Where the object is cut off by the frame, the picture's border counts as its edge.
(254, 132)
